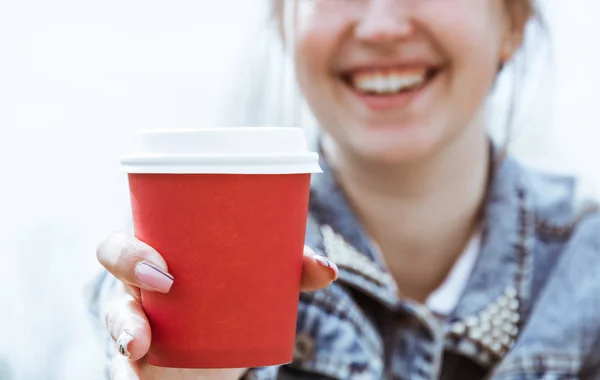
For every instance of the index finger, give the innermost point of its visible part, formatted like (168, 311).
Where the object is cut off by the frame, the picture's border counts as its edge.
(318, 272)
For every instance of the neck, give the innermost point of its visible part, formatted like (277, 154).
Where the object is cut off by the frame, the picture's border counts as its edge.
(421, 214)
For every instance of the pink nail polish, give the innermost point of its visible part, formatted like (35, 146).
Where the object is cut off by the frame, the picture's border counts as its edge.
(327, 263)
(153, 277)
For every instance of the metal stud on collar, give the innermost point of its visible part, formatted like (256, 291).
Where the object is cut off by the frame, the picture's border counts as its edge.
(345, 255)
(495, 328)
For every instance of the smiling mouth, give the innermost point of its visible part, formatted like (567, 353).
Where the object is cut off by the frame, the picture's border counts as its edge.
(389, 82)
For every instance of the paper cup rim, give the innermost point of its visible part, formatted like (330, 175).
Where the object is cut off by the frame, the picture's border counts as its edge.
(222, 164)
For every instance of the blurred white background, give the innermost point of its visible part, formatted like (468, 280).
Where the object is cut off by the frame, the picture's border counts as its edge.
(77, 77)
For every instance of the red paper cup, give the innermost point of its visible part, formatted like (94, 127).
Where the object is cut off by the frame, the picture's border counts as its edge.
(227, 209)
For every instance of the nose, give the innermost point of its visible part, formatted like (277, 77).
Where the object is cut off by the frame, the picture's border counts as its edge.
(384, 21)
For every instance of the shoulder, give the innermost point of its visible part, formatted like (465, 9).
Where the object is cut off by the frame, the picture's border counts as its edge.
(562, 331)
(561, 204)
(566, 239)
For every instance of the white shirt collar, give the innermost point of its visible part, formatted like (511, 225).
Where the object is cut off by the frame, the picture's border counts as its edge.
(445, 298)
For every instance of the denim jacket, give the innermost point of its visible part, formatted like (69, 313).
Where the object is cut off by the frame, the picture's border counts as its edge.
(530, 309)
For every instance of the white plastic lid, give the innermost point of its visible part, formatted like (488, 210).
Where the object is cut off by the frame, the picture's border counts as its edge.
(246, 150)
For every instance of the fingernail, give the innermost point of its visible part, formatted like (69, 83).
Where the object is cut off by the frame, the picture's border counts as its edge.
(124, 339)
(153, 277)
(323, 261)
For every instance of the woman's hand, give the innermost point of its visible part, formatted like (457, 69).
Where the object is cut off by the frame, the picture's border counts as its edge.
(138, 266)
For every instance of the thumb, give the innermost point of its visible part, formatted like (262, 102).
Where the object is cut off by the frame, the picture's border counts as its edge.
(134, 262)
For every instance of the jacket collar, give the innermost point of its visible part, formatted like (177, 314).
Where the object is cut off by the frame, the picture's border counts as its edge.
(497, 297)
(343, 240)
(501, 278)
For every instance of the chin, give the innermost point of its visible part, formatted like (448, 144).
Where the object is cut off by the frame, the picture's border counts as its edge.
(393, 145)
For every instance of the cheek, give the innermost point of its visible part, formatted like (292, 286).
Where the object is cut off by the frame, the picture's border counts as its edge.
(307, 52)
(305, 59)
(469, 35)
(315, 47)
(315, 42)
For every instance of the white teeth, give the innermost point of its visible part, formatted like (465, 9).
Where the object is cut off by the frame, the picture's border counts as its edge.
(395, 82)
(387, 83)
(381, 84)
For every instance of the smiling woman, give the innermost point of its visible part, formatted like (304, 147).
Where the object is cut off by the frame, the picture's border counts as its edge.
(448, 62)
(455, 261)
(291, 16)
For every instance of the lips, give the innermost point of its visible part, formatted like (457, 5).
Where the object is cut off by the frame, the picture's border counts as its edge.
(389, 81)
(390, 88)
